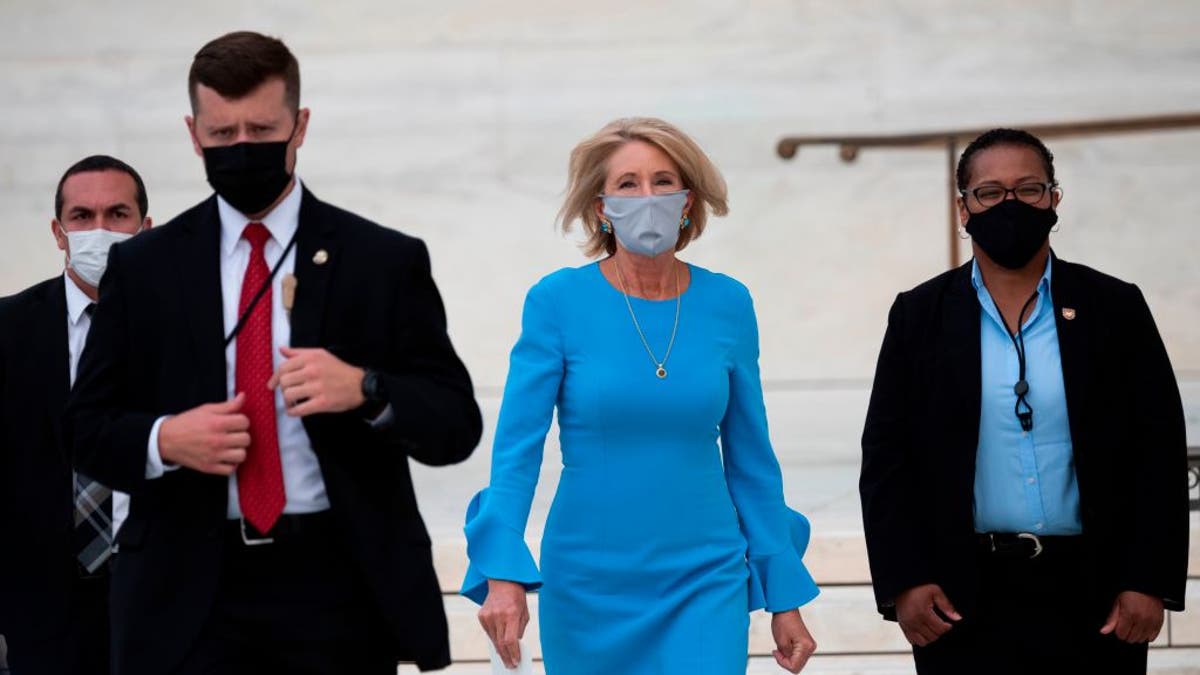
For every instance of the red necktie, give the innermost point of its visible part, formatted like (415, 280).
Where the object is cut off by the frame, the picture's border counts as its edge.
(260, 477)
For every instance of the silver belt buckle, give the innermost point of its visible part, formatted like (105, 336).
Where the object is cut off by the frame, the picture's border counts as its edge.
(1037, 543)
(252, 541)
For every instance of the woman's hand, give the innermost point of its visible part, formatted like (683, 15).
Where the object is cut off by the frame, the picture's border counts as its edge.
(794, 644)
(504, 616)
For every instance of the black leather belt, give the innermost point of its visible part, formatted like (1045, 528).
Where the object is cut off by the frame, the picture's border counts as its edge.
(1025, 545)
(289, 526)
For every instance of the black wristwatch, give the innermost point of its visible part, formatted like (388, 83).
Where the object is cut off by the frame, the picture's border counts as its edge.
(375, 393)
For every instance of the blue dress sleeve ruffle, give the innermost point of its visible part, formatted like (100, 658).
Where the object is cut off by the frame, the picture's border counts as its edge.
(496, 549)
(781, 582)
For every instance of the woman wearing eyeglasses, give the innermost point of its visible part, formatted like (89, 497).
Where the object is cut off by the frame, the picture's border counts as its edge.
(669, 524)
(1023, 456)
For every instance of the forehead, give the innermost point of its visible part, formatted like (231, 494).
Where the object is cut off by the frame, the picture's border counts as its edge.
(99, 189)
(1007, 162)
(639, 157)
(268, 99)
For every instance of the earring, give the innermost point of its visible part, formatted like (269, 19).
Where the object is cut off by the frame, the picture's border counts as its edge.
(1056, 226)
(605, 226)
(684, 222)
(962, 233)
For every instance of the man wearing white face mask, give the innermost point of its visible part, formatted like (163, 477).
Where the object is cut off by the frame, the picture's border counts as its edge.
(59, 525)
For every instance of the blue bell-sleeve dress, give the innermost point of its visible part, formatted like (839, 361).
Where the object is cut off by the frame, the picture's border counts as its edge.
(669, 524)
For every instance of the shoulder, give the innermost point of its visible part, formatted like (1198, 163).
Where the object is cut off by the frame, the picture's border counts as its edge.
(934, 288)
(355, 230)
(560, 285)
(152, 242)
(16, 304)
(16, 309)
(719, 285)
(1092, 280)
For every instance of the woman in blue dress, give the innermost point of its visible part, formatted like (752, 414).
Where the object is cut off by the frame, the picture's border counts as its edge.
(669, 524)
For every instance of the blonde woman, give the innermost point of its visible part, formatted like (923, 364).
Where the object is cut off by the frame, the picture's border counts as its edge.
(669, 524)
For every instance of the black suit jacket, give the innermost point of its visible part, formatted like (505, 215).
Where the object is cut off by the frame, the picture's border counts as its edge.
(37, 567)
(1127, 429)
(156, 348)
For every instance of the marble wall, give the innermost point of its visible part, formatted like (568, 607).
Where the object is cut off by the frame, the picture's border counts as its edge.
(453, 120)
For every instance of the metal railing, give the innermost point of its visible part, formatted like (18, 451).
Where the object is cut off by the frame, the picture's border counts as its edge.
(950, 140)
(1194, 477)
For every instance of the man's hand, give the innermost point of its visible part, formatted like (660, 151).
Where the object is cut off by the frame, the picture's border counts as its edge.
(315, 381)
(504, 616)
(1135, 617)
(794, 644)
(211, 438)
(915, 612)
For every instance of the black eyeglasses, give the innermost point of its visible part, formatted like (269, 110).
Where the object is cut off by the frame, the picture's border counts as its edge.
(991, 195)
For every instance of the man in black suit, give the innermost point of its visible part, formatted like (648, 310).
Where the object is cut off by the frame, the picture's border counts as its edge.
(58, 525)
(1022, 484)
(261, 371)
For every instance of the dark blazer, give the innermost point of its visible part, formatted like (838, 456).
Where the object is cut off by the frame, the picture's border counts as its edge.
(156, 348)
(37, 568)
(1127, 429)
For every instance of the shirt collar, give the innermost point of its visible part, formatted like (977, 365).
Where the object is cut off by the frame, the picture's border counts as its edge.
(1043, 284)
(281, 222)
(77, 300)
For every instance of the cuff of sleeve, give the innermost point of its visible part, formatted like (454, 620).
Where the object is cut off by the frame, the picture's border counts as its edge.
(496, 551)
(384, 419)
(154, 463)
(781, 582)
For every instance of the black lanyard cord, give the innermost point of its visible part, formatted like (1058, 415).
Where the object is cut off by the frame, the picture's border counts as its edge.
(1021, 388)
(261, 291)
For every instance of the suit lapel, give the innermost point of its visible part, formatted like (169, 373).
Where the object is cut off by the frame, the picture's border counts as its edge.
(199, 256)
(960, 325)
(317, 256)
(53, 352)
(1069, 301)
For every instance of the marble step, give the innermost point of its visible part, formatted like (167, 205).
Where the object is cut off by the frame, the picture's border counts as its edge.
(1173, 661)
(843, 620)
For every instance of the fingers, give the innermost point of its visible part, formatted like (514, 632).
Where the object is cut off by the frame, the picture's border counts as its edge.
(232, 423)
(312, 406)
(1124, 628)
(943, 603)
(236, 441)
(297, 393)
(1110, 624)
(787, 662)
(233, 405)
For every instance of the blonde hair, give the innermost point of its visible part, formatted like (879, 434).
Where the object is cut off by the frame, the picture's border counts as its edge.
(588, 170)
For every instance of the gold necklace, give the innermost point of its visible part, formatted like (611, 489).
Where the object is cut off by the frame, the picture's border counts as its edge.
(660, 366)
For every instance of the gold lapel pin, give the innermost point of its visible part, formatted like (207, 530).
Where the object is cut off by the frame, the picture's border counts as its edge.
(1068, 313)
(289, 292)
(321, 257)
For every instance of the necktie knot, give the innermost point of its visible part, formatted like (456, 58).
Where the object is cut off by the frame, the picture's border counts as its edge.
(257, 234)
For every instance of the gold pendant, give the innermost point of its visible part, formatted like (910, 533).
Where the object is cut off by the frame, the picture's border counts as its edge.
(661, 373)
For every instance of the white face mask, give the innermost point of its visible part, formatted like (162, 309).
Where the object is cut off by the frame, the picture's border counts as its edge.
(88, 252)
(646, 225)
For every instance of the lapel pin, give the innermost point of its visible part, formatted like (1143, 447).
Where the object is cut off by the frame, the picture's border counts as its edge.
(289, 292)
(1068, 313)
(321, 257)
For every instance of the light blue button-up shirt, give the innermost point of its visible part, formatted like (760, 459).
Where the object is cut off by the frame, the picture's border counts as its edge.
(1024, 481)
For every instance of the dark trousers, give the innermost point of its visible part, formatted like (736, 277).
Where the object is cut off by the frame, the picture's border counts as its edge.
(1034, 616)
(296, 606)
(82, 650)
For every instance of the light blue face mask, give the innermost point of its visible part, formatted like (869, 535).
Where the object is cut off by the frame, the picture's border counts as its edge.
(646, 225)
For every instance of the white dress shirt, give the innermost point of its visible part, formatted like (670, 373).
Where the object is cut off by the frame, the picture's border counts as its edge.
(303, 483)
(78, 325)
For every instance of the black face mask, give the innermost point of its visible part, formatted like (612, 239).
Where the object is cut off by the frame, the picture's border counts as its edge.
(1011, 232)
(250, 176)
